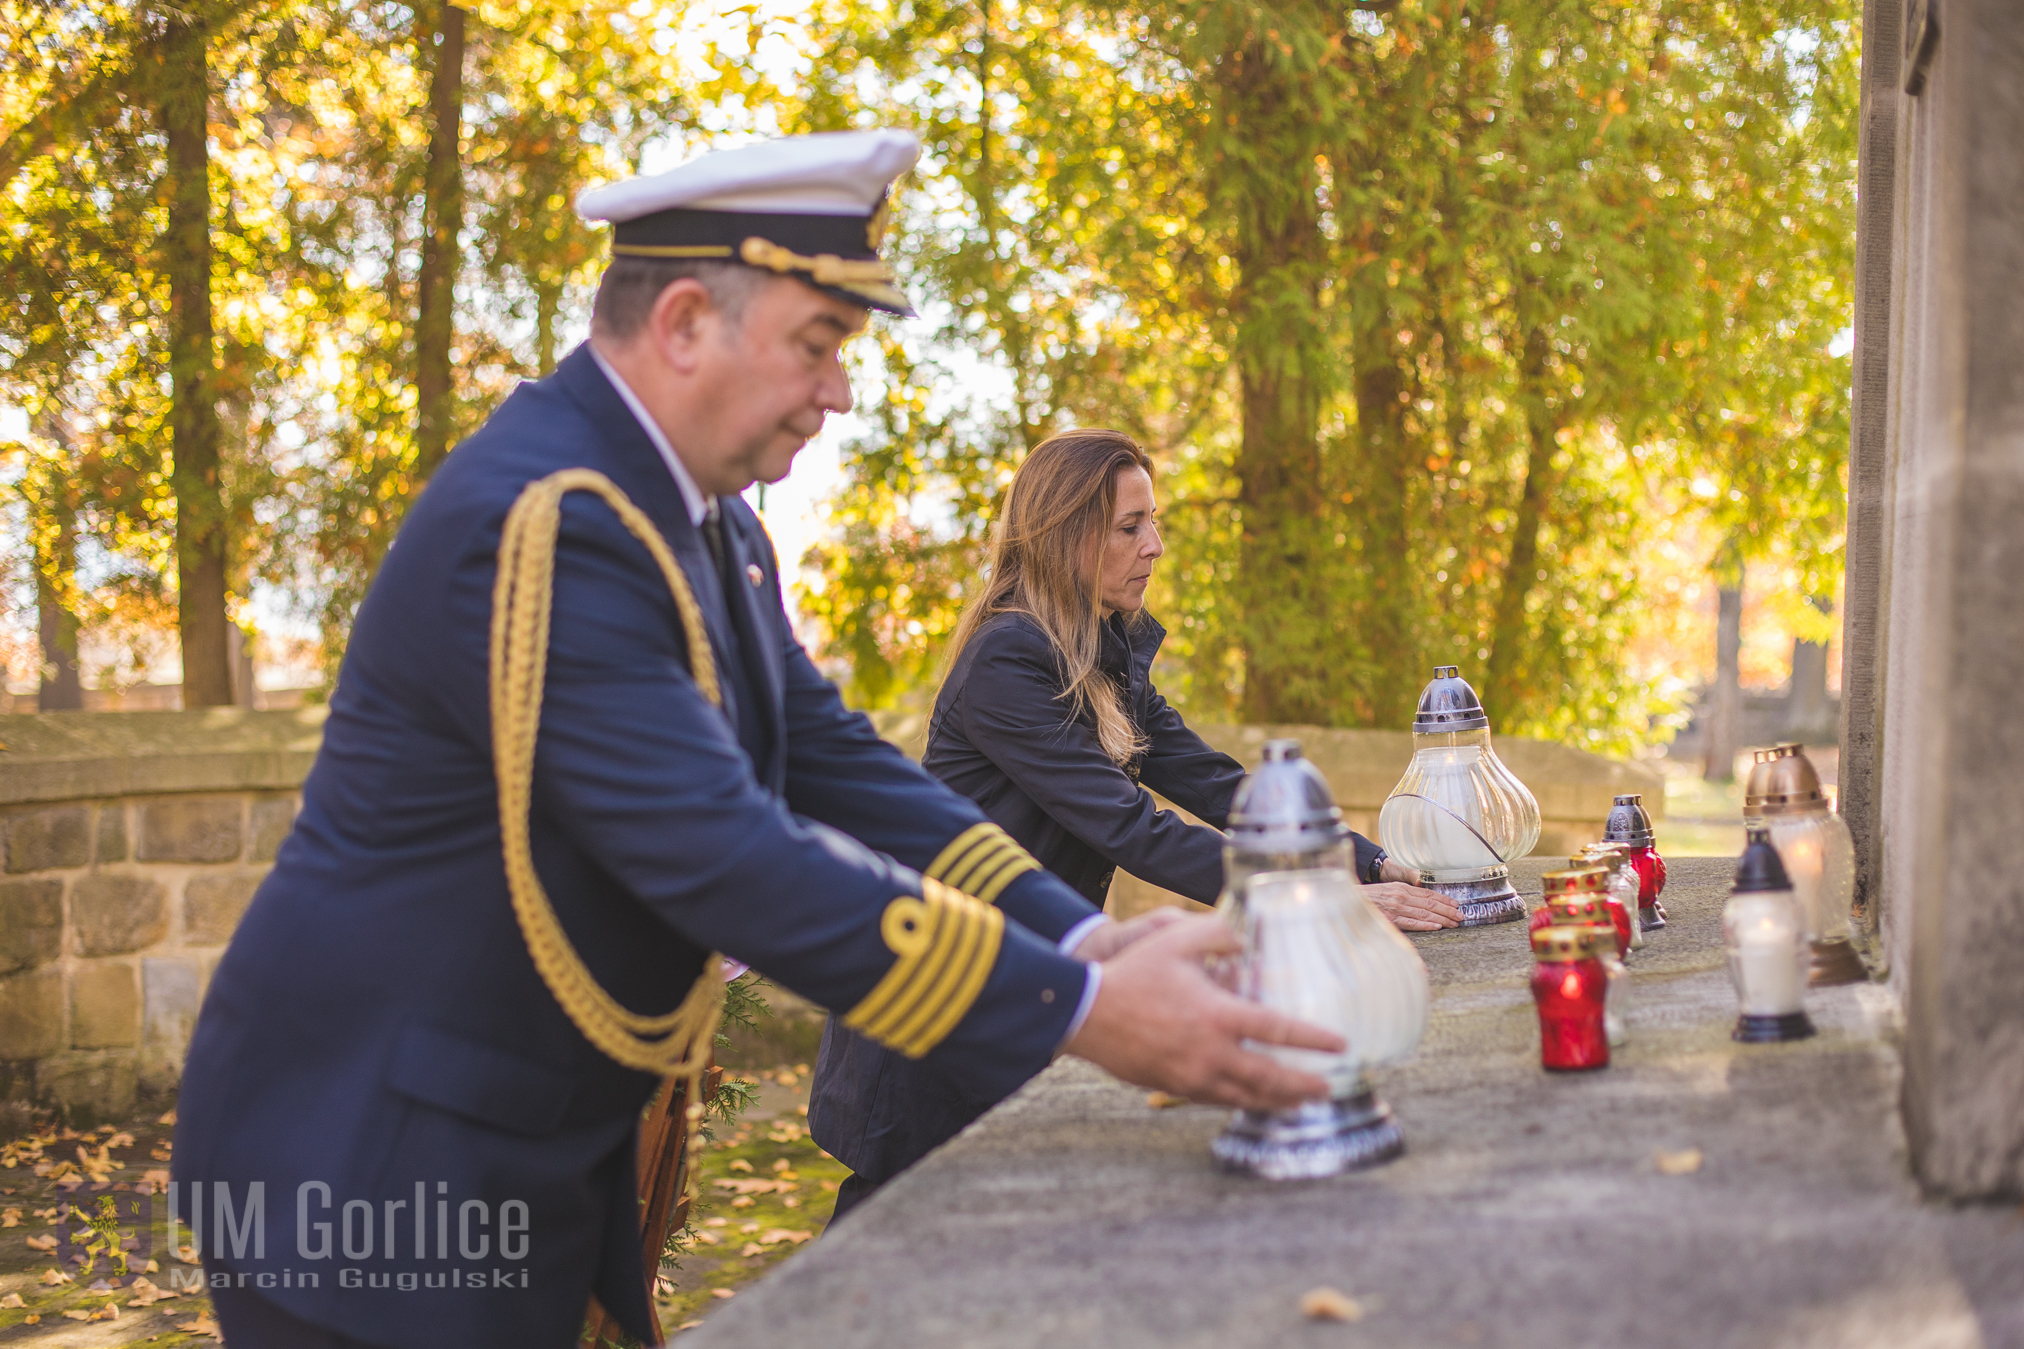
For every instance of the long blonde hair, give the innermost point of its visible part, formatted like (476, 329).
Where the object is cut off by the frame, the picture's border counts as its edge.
(1046, 563)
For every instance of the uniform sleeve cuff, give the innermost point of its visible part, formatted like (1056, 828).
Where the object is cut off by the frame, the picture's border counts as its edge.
(1092, 979)
(1073, 937)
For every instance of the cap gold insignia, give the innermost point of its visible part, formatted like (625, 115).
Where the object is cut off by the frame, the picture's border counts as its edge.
(875, 228)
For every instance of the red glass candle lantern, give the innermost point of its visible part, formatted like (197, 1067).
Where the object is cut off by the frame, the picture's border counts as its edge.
(1581, 895)
(1570, 988)
(1629, 822)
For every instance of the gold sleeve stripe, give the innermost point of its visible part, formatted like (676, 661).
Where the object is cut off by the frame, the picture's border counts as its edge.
(981, 861)
(946, 943)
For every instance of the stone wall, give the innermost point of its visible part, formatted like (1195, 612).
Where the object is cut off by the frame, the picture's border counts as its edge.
(1934, 630)
(130, 843)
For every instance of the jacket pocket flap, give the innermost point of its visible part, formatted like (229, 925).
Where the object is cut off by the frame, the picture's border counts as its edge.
(478, 1081)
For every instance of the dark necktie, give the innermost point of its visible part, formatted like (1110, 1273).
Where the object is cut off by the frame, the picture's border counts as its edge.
(713, 534)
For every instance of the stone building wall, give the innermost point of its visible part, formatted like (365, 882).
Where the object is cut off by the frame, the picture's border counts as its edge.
(130, 844)
(112, 914)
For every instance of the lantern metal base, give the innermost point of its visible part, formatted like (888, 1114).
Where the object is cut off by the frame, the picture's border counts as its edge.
(1835, 962)
(1764, 1030)
(1486, 900)
(1651, 917)
(1321, 1138)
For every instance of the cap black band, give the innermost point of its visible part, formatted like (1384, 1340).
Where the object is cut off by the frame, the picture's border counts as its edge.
(722, 232)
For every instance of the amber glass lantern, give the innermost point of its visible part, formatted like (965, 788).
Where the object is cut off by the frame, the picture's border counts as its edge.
(1317, 950)
(1784, 795)
(1459, 816)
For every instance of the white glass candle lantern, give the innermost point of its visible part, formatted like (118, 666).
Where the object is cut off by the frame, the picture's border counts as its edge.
(1459, 816)
(1315, 949)
(1785, 796)
(1764, 932)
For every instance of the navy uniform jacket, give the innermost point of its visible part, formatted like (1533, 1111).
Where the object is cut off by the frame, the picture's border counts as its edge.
(1001, 735)
(376, 1045)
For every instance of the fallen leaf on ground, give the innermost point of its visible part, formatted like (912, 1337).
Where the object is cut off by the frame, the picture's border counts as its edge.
(53, 1277)
(99, 1286)
(740, 1164)
(790, 1202)
(203, 1325)
(12, 1300)
(780, 1234)
(120, 1140)
(1160, 1100)
(752, 1248)
(743, 1201)
(42, 1243)
(75, 1315)
(10, 1218)
(716, 1222)
(1681, 1163)
(688, 1325)
(47, 1213)
(169, 1118)
(151, 1267)
(30, 1319)
(720, 1292)
(1328, 1304)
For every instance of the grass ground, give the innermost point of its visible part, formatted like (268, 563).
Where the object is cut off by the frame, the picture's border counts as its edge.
(766, 1191)
(81, 1240)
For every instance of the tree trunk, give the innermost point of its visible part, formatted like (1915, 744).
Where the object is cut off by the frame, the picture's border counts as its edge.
(195, 435)
(62, 683)
(1504, 682)
(547, 309)
(1725, 707)
(442, 220)
(1282, 581)
(1380, 509)
(1808, 716)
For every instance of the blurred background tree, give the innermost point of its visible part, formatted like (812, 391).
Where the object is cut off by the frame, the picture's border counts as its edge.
(1435, 313)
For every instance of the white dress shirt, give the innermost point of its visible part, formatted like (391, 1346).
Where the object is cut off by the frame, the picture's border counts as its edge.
(700, 507)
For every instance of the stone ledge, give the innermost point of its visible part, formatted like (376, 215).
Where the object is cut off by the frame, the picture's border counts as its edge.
(1527, 1210)
(68, 756)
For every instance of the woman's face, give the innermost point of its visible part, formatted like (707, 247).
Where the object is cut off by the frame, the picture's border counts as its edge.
(1131, 545)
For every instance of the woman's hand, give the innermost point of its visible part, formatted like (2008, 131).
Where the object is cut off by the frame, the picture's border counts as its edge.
(1411, 908)
(1110, 938)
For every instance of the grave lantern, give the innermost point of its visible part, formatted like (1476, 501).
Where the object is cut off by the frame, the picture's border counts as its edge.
(1629, 822)
(1784, 795)
(1459, 816)
(1764, 932)
(1317, 950)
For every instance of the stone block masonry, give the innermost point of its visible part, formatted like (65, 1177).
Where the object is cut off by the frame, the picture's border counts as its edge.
(131, 845)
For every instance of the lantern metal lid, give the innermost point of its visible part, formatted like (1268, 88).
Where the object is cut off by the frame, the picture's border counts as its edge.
(1759, 869)
(1783, 781)
(1629, 822)
(1448, 703)
(1285, 805)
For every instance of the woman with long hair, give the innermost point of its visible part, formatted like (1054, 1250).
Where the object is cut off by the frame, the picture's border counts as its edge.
(1048, 718)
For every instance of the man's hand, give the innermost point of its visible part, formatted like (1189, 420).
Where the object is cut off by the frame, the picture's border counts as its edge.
(1160, 1022)
(1110, 938)
(1411, 908)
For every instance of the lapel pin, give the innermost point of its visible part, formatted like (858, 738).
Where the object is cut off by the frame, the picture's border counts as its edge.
(753, 573)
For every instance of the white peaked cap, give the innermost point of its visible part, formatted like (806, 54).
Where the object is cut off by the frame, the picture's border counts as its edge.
(829, 173)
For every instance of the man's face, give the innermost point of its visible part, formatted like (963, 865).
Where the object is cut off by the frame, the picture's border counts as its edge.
(768, 379)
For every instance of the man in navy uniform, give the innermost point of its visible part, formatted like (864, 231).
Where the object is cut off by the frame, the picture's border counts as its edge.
(396, 1128)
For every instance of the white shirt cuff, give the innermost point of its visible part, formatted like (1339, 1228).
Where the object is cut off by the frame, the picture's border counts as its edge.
(1091, 980)
(1082, 929)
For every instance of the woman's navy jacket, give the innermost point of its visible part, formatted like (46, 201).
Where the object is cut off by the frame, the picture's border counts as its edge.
(1003, 736)
(377, 1053)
